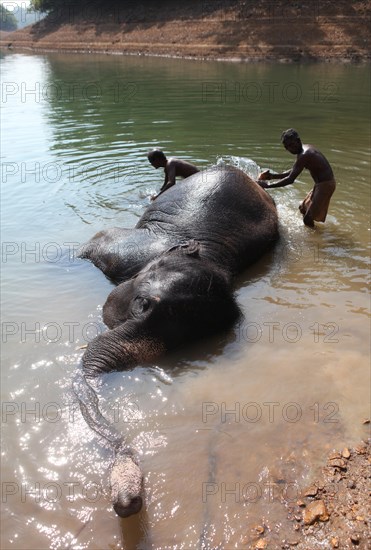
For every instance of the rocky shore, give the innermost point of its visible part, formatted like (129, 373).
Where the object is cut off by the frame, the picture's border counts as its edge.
(334, 512)
(307, 30)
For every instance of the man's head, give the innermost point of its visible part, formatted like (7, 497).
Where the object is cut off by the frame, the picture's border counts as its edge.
(157, 158)
(291, 141)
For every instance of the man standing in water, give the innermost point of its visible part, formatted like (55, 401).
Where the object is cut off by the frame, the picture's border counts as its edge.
(315, 205)
(172, 168)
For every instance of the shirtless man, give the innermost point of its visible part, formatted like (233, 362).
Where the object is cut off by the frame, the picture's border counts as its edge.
(172, 168)
(315, 205)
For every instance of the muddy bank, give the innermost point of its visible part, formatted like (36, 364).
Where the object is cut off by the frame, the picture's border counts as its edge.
(226, 29)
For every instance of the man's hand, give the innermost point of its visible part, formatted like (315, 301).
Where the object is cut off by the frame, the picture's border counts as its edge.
(266, 175)
(263, 184)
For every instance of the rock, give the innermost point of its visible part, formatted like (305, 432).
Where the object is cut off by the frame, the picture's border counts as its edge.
(335, 542)
(355, 538)
(345, 453)
(338, 463)
(351, 484)
(311, 491)
(261, 544)
(360, 449)
(300, 503)
(366, 421)
(259, 529)
(315, 511)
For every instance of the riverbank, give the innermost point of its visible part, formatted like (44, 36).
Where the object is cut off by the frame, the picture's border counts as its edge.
(335, 510)
(325, 30)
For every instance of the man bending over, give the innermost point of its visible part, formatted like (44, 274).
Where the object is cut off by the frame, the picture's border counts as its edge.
(315, 205)
(172, 168)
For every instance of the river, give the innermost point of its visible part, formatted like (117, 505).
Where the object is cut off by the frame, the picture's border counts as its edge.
(228, 430)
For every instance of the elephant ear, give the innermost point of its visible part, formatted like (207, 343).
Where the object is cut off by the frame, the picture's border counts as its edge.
(191, 248)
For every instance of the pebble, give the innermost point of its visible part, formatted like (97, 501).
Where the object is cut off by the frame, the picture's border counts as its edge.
(345, 453)
(338, 463)
(300, 503)
(351, 484)
(311, 491)
(335, 542)
(261, 544)
(355, 538)
(315, 511)
(334, 455)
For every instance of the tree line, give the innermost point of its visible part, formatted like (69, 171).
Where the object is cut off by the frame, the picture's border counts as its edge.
(7, 20)
(57, 5)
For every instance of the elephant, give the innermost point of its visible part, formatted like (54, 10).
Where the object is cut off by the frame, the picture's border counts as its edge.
(174, 273)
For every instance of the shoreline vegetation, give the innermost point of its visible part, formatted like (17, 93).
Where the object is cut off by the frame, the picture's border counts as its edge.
(231, 30)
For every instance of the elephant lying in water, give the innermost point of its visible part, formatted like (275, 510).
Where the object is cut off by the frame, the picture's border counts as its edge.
(174, 272)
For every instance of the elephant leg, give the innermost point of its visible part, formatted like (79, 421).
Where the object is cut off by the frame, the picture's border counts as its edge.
(122, 253)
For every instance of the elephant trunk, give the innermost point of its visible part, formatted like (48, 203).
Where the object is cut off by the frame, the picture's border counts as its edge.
(118, 349)
(126, 482)
(126, 478)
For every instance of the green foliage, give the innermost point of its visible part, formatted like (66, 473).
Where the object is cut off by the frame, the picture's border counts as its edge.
(46, 5)
(7, 20)
(60, 5)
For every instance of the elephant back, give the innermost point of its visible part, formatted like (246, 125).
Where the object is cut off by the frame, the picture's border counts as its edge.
(224, 209)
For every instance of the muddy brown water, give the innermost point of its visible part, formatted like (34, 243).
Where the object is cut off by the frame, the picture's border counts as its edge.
(228, 430)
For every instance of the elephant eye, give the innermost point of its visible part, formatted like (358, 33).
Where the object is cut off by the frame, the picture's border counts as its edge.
(140, 305)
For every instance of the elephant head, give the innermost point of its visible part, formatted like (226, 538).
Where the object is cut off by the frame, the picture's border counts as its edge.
(176, 298)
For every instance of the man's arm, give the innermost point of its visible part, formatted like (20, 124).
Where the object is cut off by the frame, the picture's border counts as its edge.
(289, 176)
(279, 176)
(267, 175)
(170, 175)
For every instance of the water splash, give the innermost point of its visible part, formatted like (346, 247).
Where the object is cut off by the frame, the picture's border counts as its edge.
(249, 166)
